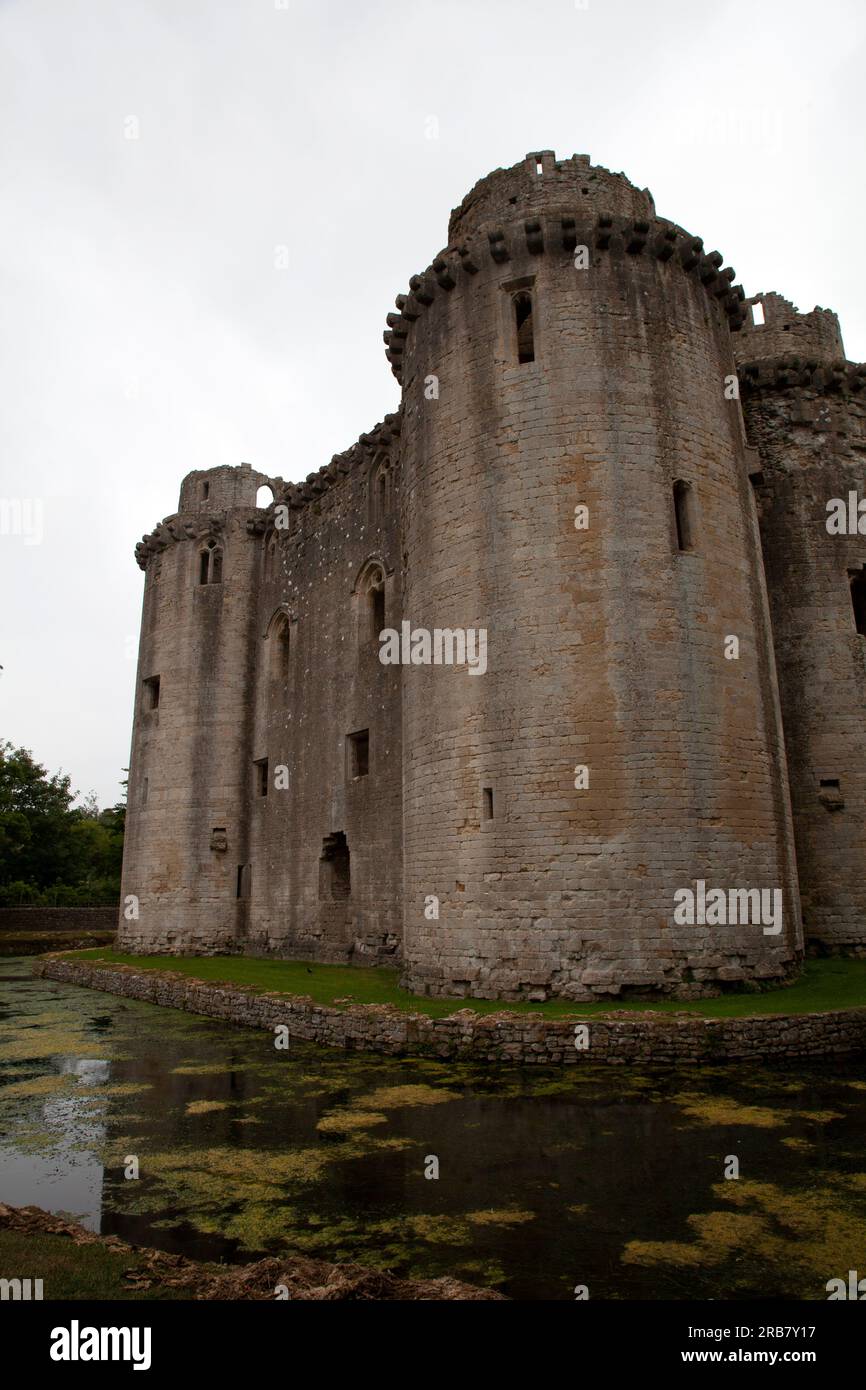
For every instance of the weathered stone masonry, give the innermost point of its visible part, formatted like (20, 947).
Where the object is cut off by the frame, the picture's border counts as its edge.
(568, 348)
(524, 1039)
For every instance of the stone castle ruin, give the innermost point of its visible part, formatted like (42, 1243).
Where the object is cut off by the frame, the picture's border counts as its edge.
(616, 468)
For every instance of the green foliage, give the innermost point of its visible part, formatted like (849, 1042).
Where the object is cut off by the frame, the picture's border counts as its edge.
(51, 853)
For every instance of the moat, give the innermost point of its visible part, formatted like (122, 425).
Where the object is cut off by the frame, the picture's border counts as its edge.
(608, 1177)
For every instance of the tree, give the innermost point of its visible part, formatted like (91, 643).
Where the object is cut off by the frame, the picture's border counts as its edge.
(45, 844)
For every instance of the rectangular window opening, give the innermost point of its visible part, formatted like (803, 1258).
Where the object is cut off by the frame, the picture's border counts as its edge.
(261, 776)
(244, 880)
(523, 324)
(684, 509)
(151, 693)
(378, 613)
(358, 747)
(334, 867)
(487, 801)
(858, 601)
(205, 490)
(758, 315)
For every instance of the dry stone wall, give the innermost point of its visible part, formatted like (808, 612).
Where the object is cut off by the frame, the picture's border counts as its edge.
(521, 1039)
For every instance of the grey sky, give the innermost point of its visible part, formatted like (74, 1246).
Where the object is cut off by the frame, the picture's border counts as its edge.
(146, 330)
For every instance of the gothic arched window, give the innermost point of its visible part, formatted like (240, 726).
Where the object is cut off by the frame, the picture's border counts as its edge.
(210, 564)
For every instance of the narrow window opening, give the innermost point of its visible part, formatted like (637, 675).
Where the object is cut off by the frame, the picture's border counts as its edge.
(539, 168)
(244, 880)
(358, 751)
(283, 643)
(210, 565)
(151, 693)
(377, 605)
(523, 323)
(487, 798)
(858, 600)
(261, 776)
(758, 315)
(685, 514)
(144, 792)
(205, 490)
(334, 868)
(380, 491)
(279, 650)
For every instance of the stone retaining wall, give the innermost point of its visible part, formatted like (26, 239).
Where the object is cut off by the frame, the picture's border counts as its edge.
(55, 919)
(501, 1037)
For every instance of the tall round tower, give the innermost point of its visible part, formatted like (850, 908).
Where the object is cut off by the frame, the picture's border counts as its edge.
(805, 410)
(186, 874)
(575, 494)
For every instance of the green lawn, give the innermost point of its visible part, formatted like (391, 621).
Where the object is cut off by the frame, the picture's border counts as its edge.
(824, 984)
(68, 1270)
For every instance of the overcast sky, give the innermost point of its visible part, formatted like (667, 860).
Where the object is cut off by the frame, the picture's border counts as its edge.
(147, 329)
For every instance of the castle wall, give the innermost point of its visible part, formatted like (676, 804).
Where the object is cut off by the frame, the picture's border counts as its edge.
(525, 829)
(187, 815)
(806, 413)
(213, 863)
(605, 647)
(315, 575)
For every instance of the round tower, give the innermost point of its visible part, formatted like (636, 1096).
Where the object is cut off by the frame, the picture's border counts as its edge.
(186, 879)
(576, 504)
(805, 411)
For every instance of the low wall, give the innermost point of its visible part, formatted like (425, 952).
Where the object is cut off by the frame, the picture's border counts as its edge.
(58, 919)
(501, 1037)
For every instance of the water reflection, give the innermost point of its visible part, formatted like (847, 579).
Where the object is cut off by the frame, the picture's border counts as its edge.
(612, 1178)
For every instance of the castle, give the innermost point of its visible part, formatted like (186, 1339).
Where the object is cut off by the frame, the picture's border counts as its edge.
(614, 470)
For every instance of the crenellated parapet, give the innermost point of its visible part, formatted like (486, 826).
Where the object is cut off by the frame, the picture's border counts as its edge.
(825, 396)
(541, 184)
(793, 373)
(775, 328)
(359, 456)
(560, 234)
(210, 524)
(177, 528)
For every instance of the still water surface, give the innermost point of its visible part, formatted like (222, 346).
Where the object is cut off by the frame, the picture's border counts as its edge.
(608, 1177)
